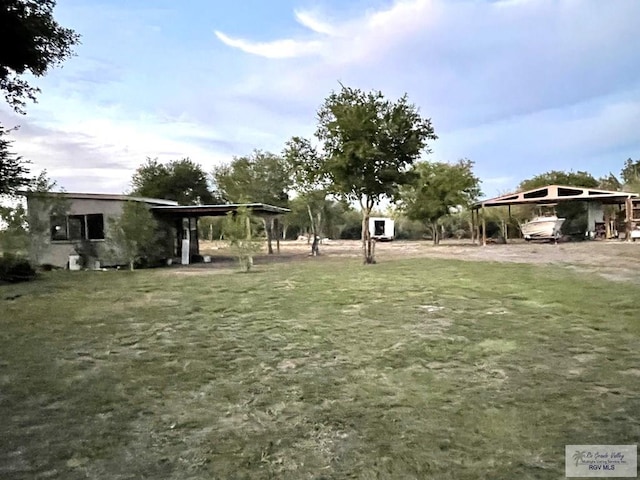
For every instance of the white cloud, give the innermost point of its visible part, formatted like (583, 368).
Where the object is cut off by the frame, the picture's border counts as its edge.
(308, 20)
(286, 48)
(347, 40)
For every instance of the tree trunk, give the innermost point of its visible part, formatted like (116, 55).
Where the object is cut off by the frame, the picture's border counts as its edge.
(315, 250)
(267, 229)
(277, 234)
(367, 241)
(435, 233)
(131, 265)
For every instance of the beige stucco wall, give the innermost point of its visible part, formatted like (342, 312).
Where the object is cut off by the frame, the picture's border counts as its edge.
(45, 251)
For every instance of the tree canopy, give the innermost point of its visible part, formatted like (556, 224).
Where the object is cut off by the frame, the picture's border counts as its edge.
(437, 190)
(31, 42)
(558, 177)
(13, 169)
(183, 181)
(369, 144)
(261, 177)
(631, 175)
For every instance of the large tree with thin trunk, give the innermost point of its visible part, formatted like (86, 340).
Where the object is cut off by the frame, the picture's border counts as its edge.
(438, 189)
(261, 177)
(31, 42)
(369, 145)
(309, 181)
(132, 233)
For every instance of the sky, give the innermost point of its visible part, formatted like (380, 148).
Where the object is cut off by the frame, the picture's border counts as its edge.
(520, 87)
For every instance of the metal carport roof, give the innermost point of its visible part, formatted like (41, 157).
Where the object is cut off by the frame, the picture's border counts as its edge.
(555, 194)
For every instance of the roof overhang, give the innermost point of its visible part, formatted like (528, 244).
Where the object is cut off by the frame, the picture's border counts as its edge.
(556, 194)
(99, 196)
(218, 210)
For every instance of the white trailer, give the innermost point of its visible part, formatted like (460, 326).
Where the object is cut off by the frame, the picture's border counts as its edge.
(381, 228)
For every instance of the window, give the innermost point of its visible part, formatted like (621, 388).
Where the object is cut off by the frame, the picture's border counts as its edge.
(59, 228)
(77, 227)
(95, 227)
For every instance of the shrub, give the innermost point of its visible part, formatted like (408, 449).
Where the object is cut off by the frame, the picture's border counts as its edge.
(15, 269)
(88, 253)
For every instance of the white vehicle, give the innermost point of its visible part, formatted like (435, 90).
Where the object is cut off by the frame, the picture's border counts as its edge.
(381, 228)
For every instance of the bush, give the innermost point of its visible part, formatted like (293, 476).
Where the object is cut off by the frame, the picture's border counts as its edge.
(88, 253)
(15, 269)
(351, 232)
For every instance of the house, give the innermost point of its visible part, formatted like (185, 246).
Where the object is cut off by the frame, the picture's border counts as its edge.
(61, 222)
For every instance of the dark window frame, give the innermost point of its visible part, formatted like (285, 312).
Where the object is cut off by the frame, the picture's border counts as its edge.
(74, 228)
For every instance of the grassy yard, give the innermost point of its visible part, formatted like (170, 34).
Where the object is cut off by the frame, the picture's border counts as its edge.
(323, 369)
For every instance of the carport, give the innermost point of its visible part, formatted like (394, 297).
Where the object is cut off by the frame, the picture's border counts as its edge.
(554, 194)
(184, 218)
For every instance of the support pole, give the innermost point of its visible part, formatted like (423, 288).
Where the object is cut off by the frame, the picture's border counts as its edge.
(629, 218)
(473, 226)
(484, 229)
(506, 233)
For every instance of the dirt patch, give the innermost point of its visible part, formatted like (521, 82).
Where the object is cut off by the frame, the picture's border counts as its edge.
(612, 260)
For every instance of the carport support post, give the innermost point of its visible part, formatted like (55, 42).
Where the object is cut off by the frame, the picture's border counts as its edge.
(506, 226)
(473, 226)
(276, 228)
(628, 206)
(484, 228)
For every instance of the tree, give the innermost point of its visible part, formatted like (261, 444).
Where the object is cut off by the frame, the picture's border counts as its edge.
(13, 170)
(609, 182)
(310, 182)
(439, 189)
(43, 205)
(32, 42)
(14, 236)
(261, 177)
(369, 145)
(631, 175)
(237, 230)
(131, 234)
(183, 181)
(558, 177)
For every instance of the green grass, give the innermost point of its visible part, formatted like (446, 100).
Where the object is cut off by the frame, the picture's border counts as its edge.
(318, 369)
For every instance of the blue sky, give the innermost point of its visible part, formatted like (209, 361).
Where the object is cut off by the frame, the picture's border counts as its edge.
(519, 86)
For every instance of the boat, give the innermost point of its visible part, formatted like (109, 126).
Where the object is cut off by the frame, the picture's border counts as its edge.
(543, 227)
